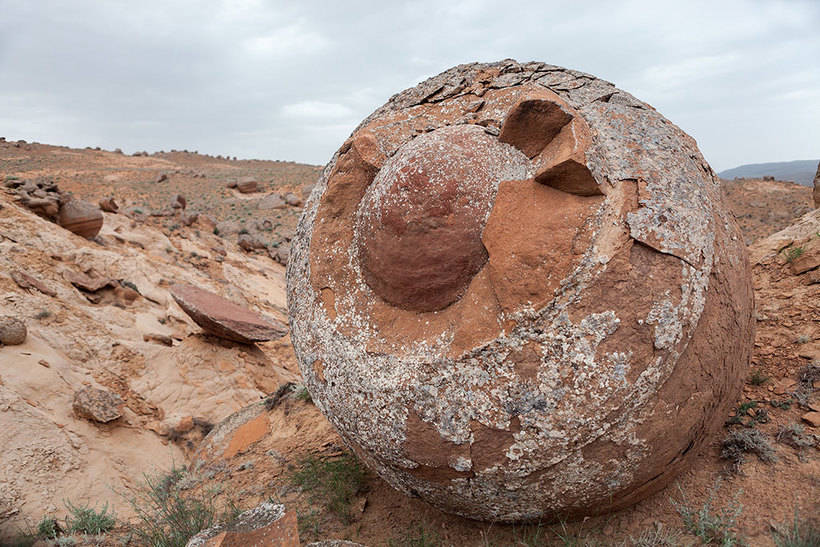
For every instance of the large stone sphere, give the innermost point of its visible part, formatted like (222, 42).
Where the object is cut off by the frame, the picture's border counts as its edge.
(516, 294)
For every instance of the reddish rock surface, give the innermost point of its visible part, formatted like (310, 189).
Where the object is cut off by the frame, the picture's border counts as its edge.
(554, 325)
(816, 192)
(223, 318)
(81, 217)
(109, 205)
(247, 185)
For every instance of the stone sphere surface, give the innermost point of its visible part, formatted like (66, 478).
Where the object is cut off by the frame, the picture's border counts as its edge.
(516, 294)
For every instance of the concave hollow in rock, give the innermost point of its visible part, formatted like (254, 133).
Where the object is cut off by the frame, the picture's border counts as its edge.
(421, 220)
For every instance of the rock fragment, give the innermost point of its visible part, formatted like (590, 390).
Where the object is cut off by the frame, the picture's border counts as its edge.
(249, 243)
(109, 205)
(97, 405)
(178, 201)
(13, 331)
(223, 318)
(26, 282)
(293, 200)
(272, 201)
(247, 185)
(267, 524)
(83, 218)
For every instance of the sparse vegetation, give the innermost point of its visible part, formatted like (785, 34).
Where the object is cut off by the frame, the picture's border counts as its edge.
(657, 536)
(803, 339)
(42, 314)
(738, 443)
(87, 520)
(332, 482)
(793, 253)
(303, 394)
(798, 533)
(757, 378)
(419, 536)
(710, 526)
(48, 528)
(166, 518)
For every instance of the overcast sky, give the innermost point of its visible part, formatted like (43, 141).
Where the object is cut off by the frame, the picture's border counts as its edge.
(290, 80)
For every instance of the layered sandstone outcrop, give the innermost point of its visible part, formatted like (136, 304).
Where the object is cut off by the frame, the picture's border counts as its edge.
(516, 293)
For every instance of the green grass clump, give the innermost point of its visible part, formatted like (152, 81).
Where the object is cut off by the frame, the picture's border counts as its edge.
(793, 253)
(87, 520)
(332, 482)
(48, 528)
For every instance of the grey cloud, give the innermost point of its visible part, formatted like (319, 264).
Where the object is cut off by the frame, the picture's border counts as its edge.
(290, 80)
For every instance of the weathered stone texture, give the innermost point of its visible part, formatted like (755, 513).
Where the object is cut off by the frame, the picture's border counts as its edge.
(515, 292)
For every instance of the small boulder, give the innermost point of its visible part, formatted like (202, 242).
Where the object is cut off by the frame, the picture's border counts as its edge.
(266, 524)
(189, 218)
(80, 217)
(272, 201)
(161, 178)
(26, 282)
(47, 207)
(89, 281)
(293, 200)
(13, 332)
(280, 254)
(109, 205)
(97, 405)
(247, 185)
(178, 202)
(223, 318)
(231, 184)
(249, 243)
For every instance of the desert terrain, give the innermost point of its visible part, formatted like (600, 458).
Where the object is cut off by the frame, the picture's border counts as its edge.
(230, 423)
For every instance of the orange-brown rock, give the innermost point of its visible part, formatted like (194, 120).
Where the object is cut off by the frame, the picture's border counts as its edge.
(80, 217)
(109, 205)
(515, 293)
(816, 191)
(247, 185)
(97, 405)
(223, 318)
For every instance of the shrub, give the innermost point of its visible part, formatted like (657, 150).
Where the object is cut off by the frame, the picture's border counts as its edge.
(166, 518)
(48, 528)
(740, 442)
(798, 533)
(333, 482)
(711, 527)
(87, 520)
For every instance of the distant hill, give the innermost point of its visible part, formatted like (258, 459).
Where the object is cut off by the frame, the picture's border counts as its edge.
(799, 171)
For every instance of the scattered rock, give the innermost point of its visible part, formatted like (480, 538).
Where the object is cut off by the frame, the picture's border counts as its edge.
(89, 281)
(26, 282)
(97, 405)
(163, 339)
(223, 318)
(812, 418)
(247, 185)
(83, 218)
(13, 332)
(161, 178)
(280, 254)
(249, 243)
(178, 202)
(272, 201)
(109, 205)
(48, 207)
(293, 200)
(784, 386)
(189, 218)
(267, 524)
(231, 184)
(580, 278)
(125, 295)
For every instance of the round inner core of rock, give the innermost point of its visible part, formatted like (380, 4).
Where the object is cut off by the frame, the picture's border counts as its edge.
(420, 222)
